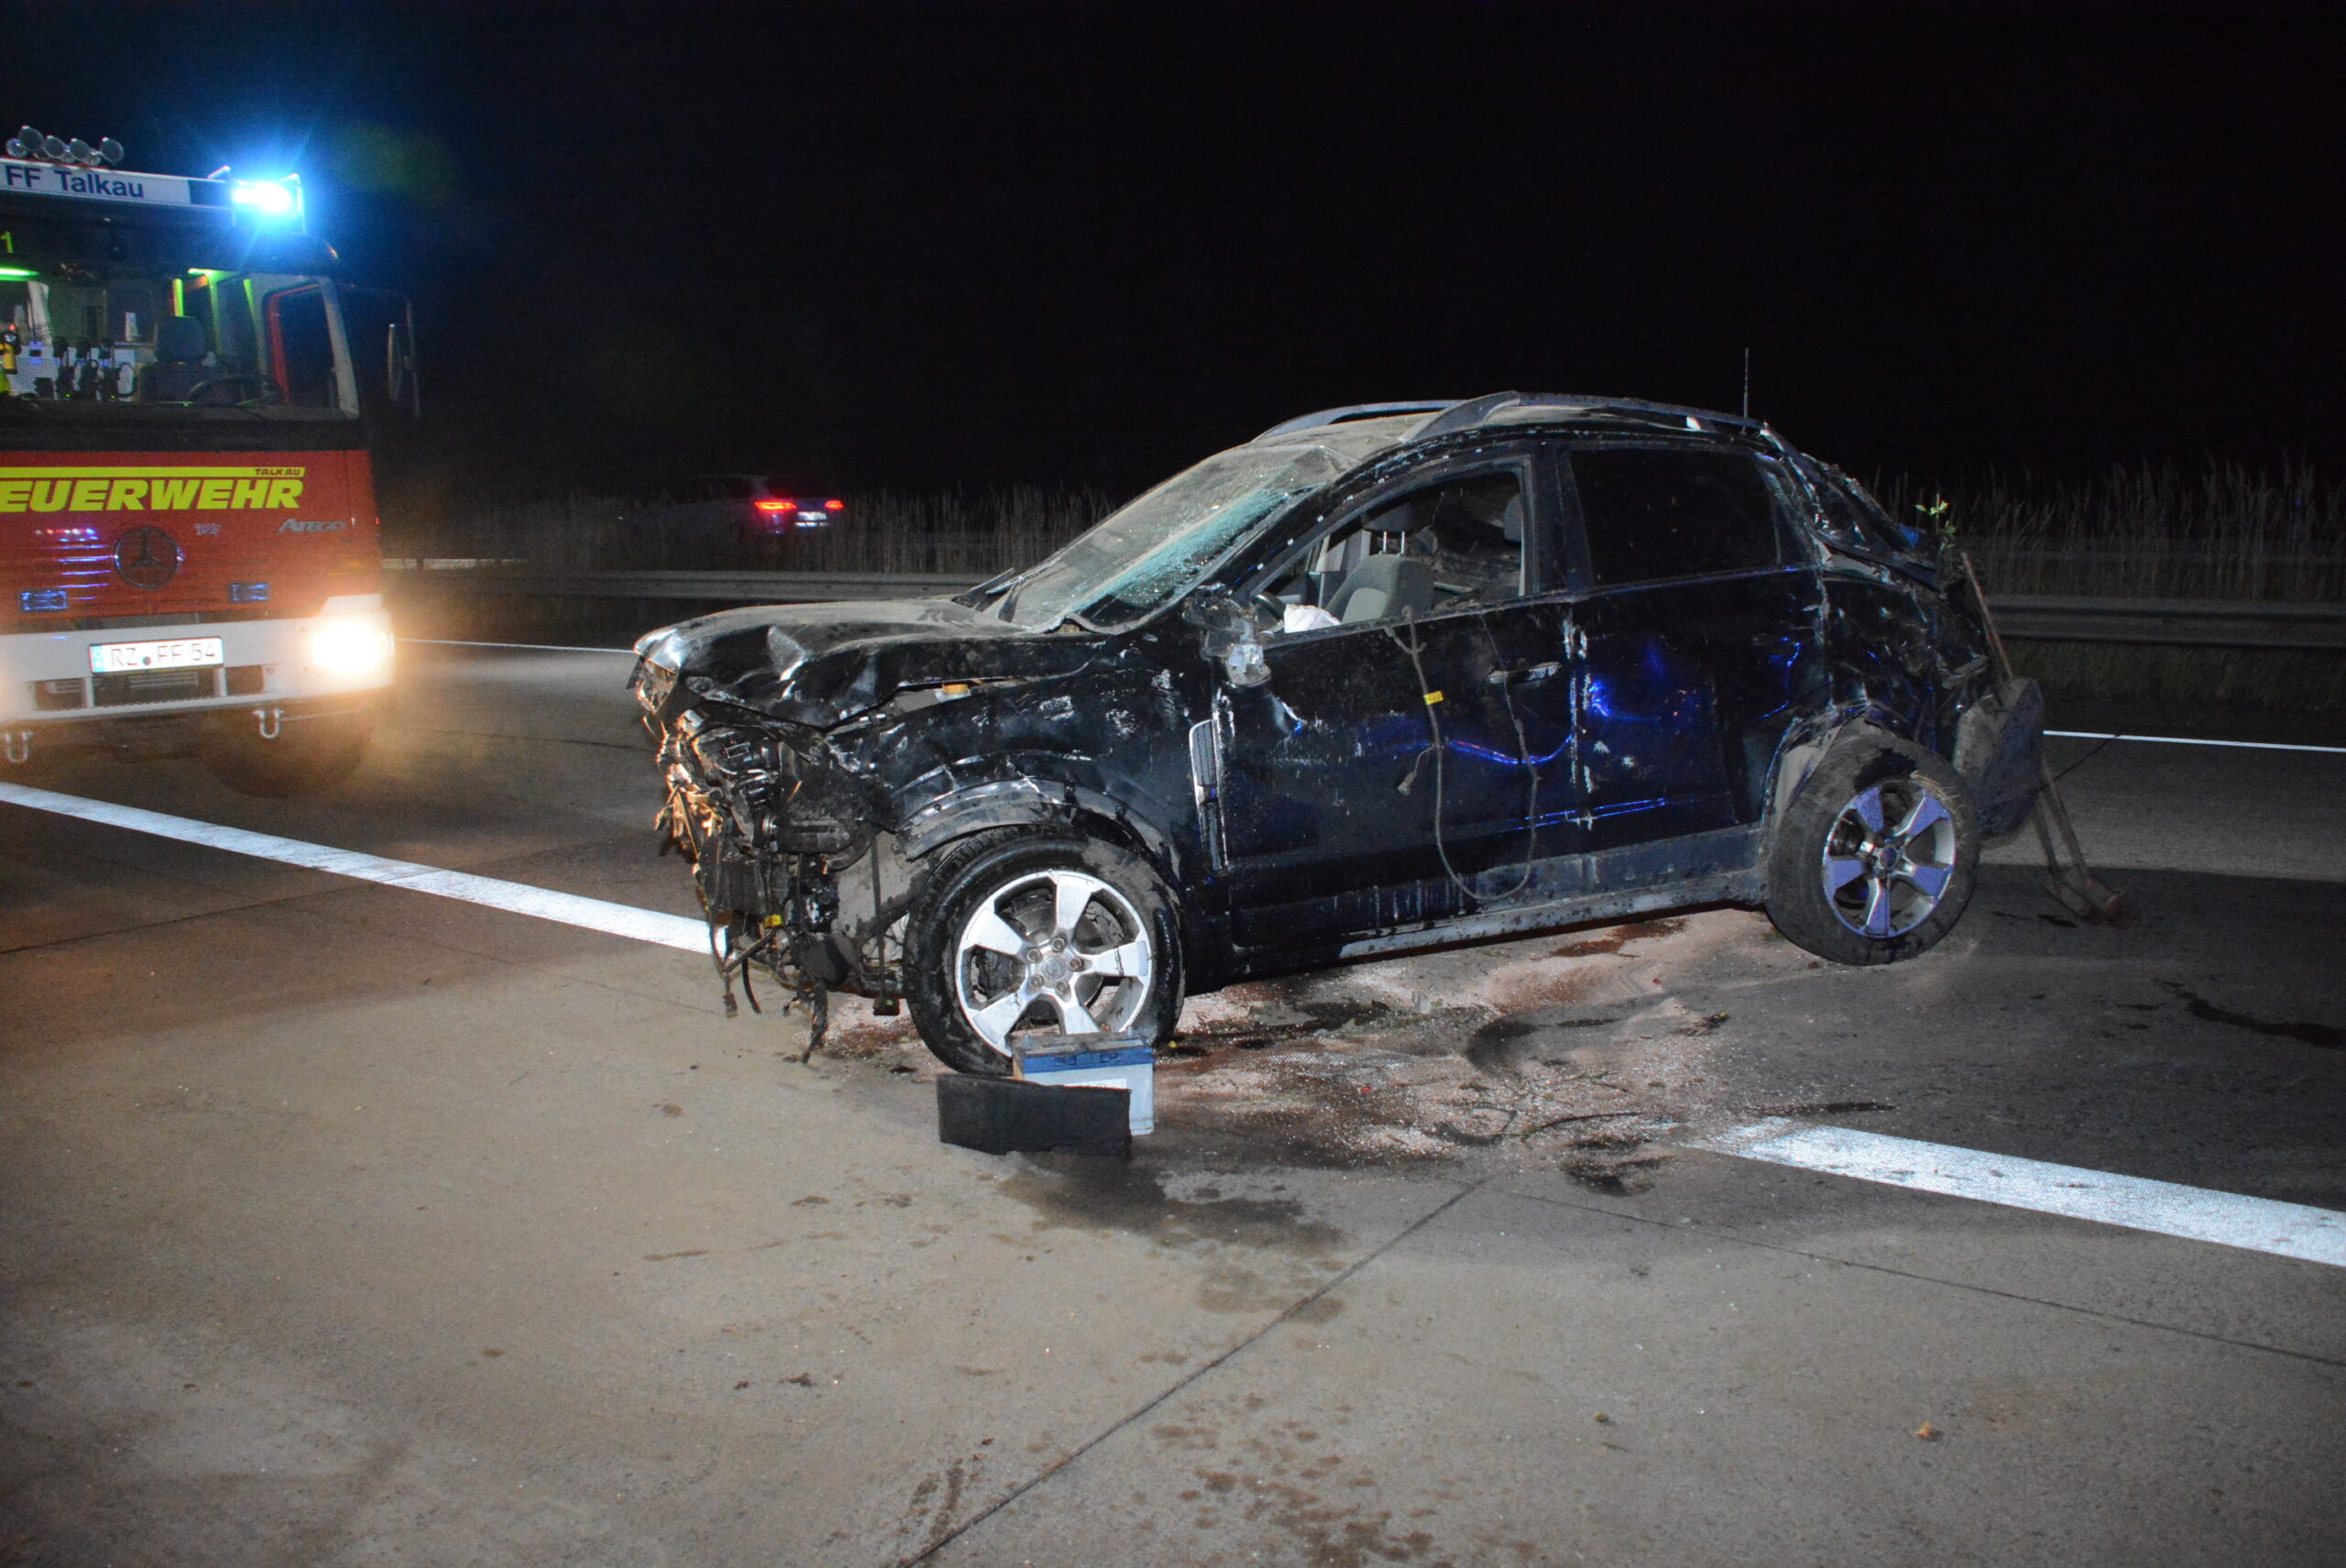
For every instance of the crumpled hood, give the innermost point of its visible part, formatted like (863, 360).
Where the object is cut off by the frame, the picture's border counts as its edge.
(819, 665)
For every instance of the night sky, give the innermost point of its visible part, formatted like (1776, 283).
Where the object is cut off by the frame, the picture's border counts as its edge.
(913, 245)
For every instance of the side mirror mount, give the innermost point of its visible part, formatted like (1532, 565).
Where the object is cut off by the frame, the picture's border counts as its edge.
(398, 366)
(1232, 638)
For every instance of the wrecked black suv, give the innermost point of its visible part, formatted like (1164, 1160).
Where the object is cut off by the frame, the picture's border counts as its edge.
(1382, 677)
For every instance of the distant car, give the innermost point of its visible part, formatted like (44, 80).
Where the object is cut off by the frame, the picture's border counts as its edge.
(1382, 678)
(752, 504)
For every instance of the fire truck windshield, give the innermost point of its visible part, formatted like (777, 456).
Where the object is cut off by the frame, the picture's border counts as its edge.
(132, 343)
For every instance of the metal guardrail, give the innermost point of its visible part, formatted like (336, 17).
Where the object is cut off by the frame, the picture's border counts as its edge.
(2195, 623)
(2033, 617)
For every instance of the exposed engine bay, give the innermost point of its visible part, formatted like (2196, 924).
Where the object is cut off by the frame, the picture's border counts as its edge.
(769, 835)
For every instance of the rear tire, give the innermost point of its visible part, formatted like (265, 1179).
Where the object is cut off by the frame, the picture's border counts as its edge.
(1876, 857)
(311, 755)
(1019, 932)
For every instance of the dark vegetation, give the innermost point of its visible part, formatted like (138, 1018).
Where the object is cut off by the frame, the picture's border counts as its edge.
(974, 531)
(2226, 531)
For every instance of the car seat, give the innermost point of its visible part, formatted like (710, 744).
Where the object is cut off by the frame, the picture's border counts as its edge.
(178, 367)
(1383, 587)
(1511, 518)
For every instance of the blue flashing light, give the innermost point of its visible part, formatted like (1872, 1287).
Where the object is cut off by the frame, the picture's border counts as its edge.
(35, 601)
(271, 200)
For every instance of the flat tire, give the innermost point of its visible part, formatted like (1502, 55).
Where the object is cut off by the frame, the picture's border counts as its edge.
(1876, 857)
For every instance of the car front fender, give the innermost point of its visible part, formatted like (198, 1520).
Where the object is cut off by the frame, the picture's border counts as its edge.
(1032, 802)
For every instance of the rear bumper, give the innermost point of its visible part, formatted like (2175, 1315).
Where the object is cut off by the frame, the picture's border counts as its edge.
(47, 684)
(2000, 751)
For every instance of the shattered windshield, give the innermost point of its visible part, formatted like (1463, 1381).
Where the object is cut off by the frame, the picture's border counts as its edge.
(1149, 552)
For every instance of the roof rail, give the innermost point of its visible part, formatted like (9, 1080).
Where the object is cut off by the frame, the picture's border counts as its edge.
(1476, 410)
(1468, 415)
(1354, 411)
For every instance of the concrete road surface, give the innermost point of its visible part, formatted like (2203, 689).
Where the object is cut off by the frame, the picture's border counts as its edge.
(345, 1225)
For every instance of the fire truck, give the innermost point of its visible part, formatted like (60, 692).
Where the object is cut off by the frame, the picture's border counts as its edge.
(190, 553)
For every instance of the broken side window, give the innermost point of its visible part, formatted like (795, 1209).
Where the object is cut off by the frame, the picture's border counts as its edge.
(1852, 516)
(1653, 513)
(1456, 540)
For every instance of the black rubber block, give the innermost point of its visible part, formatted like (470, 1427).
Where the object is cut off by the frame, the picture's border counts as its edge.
(1003, 1115)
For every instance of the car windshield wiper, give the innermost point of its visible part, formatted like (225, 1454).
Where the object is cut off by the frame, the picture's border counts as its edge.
(1008, 592)
(992, 588)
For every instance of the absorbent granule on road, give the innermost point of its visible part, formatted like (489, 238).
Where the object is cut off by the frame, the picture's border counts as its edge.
(1572, 1049)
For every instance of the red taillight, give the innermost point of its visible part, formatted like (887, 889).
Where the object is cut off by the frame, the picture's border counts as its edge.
(835, 506)
(776, 506)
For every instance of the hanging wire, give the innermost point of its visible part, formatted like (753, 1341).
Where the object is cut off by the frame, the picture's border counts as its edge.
(1438, 748)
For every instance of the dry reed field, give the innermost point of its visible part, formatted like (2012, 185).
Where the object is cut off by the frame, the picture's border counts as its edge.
(975, 531)
(2226, 531)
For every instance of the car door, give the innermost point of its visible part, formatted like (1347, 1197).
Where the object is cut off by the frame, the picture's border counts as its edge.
(1411, 621)
(1697, 624)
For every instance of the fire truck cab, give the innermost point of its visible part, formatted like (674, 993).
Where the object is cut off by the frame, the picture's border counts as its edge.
(189, 559)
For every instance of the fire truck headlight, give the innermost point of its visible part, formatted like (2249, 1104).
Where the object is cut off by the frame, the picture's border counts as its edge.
(350, 648)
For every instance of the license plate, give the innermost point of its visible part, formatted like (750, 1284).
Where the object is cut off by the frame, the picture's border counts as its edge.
(187, 653)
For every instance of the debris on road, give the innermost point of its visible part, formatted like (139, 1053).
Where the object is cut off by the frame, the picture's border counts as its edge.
(1575, 1056)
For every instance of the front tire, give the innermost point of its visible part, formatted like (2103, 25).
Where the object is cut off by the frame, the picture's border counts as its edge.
(1017, 933)
(1876, 857)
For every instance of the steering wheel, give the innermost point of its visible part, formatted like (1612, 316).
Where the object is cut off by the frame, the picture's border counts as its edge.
(264, 388)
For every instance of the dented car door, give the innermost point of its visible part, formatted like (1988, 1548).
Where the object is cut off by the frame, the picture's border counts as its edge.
(1699, 617)
(1384, 764)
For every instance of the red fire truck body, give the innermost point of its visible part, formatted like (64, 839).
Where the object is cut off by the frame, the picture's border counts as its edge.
(189, 559)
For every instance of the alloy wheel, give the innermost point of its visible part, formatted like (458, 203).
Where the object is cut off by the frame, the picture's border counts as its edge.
(1061, 943)
(1888, 859)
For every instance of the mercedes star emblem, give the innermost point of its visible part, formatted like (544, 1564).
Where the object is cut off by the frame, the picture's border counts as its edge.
(147, 557)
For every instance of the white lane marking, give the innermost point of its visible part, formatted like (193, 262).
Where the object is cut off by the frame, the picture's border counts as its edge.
(524, 647)
(2165, 1208)
(569, 908)
(2189, 740)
